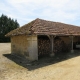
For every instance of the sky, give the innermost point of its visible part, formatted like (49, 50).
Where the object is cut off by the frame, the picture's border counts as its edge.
(65, 11)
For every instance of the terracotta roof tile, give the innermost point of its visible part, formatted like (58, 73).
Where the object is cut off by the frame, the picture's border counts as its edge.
(44, 27)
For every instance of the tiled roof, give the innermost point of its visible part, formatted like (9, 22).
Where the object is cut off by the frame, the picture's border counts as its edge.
(44, 27)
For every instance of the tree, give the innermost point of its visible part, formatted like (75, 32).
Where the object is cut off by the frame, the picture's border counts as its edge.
(6, 25)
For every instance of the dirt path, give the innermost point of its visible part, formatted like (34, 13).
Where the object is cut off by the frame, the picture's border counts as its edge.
(64, 70)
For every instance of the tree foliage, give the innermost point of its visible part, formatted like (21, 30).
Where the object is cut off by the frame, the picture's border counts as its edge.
(6, 25)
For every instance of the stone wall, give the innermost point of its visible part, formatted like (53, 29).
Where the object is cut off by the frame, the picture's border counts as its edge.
(25, 46)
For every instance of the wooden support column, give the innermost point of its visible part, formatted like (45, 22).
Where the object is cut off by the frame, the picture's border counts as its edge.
(72, 50)
(51, 37)
(52, 45)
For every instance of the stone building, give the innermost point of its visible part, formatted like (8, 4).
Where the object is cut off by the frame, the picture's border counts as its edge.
(42, 37)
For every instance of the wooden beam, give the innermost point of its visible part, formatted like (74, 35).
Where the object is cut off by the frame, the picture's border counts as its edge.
(52, 45)
(51, 37)
(72, 39)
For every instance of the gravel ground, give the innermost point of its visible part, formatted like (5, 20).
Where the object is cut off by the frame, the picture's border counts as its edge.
(66, 68)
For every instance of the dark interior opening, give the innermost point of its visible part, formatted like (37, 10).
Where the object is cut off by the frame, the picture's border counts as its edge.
(60, 47)
(76, 44)
(43, 46)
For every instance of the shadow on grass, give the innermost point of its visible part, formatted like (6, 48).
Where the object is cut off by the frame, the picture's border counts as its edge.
(42, 62)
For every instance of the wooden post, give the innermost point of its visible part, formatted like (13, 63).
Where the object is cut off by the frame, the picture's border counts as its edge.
(72, 44)
(52, 45)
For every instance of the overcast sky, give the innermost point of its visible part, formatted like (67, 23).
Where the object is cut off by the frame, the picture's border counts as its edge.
(66, 11)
